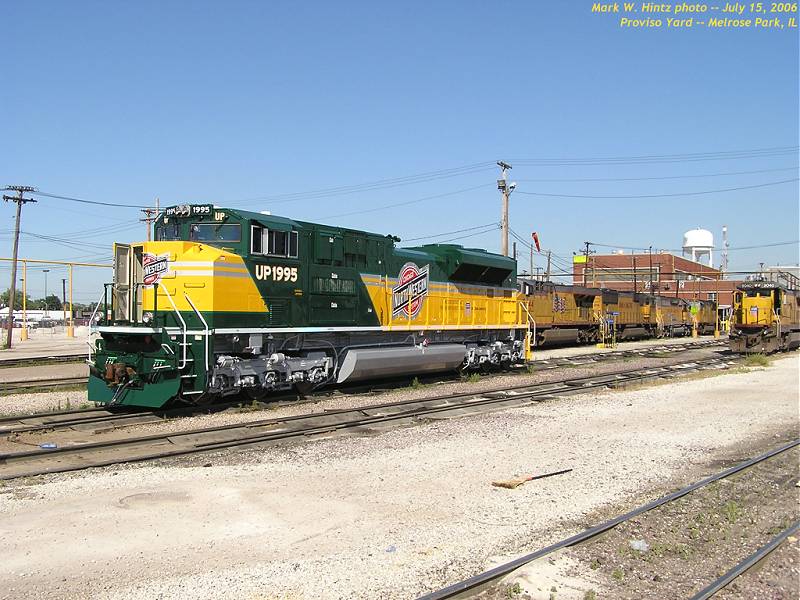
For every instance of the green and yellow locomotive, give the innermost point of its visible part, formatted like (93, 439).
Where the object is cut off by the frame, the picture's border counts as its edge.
(226, 301)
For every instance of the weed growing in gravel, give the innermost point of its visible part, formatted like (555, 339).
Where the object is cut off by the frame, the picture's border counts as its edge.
(590, 595)
(513, 591)
(416, 384)
(731, 511)
(84, 405)
(757, 360)
(531, 369)
(474, 378)
(594, 565)
(617, 574)
(67, 405)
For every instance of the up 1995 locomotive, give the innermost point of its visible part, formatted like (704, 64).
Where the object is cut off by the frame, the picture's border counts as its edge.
(226, 301)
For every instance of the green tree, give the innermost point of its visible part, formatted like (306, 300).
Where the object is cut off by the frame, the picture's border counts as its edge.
(17, 299)
(53, 302)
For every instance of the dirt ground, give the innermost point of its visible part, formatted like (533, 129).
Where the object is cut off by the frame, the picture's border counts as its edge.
(674, 551)
(388, 515)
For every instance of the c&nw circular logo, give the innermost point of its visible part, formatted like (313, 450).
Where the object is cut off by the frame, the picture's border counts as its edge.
(153, 267)
(410, 291)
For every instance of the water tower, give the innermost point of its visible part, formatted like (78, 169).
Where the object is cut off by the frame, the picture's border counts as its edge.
(699, 245)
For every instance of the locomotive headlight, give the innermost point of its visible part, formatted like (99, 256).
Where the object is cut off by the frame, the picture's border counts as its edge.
(147, 318)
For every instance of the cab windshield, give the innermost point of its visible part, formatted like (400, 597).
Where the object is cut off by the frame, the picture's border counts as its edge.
(170, 231)
(211, 232)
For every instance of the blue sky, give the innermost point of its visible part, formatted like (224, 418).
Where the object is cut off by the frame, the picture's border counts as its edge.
(240, 102)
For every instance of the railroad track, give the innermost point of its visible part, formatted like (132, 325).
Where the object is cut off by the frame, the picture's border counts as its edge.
(747, 563)
(42, 360)
(107, 419)
(28, 385)
(162, 445)
(583, 359)
(473, 585)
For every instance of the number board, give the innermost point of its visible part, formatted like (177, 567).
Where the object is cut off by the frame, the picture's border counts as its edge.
(189, 210)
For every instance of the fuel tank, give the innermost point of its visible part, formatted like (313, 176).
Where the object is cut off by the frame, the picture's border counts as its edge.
(372, 363)
(559, 336)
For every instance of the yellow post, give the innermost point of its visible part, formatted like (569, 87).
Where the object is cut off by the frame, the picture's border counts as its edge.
(71, 327)
(23, 335)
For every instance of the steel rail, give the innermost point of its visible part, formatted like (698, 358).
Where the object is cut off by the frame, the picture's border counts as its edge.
(38, 360)
(361, 417)
(491, 575)
(550, 365)
(32, 384)
(746, 564)
(586, 358)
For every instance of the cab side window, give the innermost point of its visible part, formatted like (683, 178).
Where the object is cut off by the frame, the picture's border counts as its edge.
(273, 243)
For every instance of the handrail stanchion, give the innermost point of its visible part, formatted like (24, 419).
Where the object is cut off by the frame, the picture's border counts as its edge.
(183, 325)
(206, 331)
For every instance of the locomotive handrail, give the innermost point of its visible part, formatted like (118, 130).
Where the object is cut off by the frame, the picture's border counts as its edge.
(183, 325)
(205, 327)
(530, 320)
(94, 312)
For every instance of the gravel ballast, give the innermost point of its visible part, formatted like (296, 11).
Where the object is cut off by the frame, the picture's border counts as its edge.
(383, 516)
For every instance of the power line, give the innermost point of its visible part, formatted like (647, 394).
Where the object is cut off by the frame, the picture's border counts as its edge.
(425, 237)
(374, 185)
(663, 158)
(82, 201)
(680, 249)
(407, 202)
(597, 179)
(719, 191)
(494, 227)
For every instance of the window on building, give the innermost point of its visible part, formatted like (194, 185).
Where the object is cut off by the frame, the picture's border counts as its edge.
(272, 242)
(712, 296)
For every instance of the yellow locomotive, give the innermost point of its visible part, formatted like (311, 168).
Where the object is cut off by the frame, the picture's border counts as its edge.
(560, 314)
(766, 318)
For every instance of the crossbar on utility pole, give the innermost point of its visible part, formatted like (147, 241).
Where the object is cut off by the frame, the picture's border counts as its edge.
(19, 200)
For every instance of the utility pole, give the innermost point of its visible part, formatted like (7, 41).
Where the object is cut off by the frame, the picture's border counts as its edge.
(531, 260)
(150, 215)
(635, 283)
(650, 251)
(505, 189)
(585, 260)
(547, 276)
(19, 199)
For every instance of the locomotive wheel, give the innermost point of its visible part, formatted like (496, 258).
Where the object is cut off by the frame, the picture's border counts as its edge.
(304, 388)
(256, 394)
